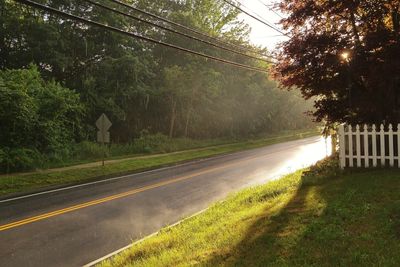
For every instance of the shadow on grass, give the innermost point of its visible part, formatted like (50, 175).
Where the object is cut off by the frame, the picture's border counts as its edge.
(333, 219)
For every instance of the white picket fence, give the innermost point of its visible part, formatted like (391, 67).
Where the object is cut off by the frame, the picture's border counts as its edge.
(370, 147)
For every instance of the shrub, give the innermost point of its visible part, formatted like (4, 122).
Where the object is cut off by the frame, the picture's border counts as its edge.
(151, 143)
(90, 150)
(19, 159)
(37, 118)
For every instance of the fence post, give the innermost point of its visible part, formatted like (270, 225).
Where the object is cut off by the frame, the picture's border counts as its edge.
(391, 149)
(342, 147)
(366, 148)
(383, 153)
(350, 134)
(358, 145)
(374, 150)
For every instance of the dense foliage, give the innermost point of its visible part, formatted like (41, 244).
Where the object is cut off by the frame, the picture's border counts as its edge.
(346, 53)
(38, 117)
(140, 86)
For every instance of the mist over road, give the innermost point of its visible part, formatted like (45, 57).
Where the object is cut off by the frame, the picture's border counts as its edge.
(74, 226)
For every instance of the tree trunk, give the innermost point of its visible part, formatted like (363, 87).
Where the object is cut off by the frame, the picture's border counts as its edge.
(2, 38)
(189, 113)
(396, 21)
(146, 103)
(354, 27)
(173, 117)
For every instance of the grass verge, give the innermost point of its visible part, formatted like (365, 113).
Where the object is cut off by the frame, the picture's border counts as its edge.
(315, 217)
(17, 183)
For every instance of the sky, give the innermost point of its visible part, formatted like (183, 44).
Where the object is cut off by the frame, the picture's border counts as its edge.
(260, 33)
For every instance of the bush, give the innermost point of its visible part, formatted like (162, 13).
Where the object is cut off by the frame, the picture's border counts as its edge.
(37, 118)
(37, 114)
(327, 168)
(90, 150)
(151, 143)
(19, 159)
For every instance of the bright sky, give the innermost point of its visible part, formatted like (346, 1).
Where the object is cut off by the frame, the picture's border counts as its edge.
(260, 33)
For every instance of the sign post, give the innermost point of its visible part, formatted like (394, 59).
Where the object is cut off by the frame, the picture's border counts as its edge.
(103, 135)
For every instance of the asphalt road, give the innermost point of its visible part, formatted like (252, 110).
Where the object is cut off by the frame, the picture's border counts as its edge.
(74, 226)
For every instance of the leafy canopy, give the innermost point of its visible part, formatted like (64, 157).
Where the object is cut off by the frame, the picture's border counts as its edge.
(347, 53)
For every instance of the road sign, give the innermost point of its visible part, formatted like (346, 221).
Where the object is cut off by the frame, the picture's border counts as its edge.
(103, 124)
(103, 137)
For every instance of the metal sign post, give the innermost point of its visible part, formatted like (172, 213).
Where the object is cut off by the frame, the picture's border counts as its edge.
(103, 135)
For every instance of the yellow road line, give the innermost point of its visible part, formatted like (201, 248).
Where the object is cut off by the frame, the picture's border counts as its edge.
(113, 197)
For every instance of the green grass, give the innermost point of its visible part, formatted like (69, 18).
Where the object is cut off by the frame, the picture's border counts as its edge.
(87, 152)
(319, 217)
(17, 183)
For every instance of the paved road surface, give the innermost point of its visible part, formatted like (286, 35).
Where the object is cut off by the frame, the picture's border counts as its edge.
(74, 226)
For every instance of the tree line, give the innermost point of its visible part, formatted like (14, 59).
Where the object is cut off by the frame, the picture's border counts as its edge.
(58, 75)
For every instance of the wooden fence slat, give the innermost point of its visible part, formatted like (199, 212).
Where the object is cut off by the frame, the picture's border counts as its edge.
(374, 150)
(358, 145)
(391, 149)
(383, 153)
(342, 147)
(350, 134)
(366, 148)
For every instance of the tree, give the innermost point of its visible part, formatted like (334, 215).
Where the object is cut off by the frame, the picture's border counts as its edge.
(345, 53)
(36, 116)
(174, 90)
(145, 87)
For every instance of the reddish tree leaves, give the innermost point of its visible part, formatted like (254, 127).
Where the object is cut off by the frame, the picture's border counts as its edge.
(365, 86)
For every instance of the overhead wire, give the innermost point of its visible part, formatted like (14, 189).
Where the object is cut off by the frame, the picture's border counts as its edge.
(271, 9)
(173, 23)
(260, 17)
(174, 31)
(255, 13)
(254, 17)
(148, 39)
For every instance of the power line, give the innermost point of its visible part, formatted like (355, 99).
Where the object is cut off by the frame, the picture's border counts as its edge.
(271, 9)
(256, 14)
(268, 36)
(117, 30)
(174, 31)
(254, 17)
(180, 25)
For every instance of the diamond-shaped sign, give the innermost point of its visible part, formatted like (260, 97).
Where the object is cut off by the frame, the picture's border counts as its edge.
(103, 124)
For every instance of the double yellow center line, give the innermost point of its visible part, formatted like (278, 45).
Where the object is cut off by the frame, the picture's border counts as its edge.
(114, 197)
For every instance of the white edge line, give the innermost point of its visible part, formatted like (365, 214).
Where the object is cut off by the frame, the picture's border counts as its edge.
(111, 179)
(114, 253)
(126, 176)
